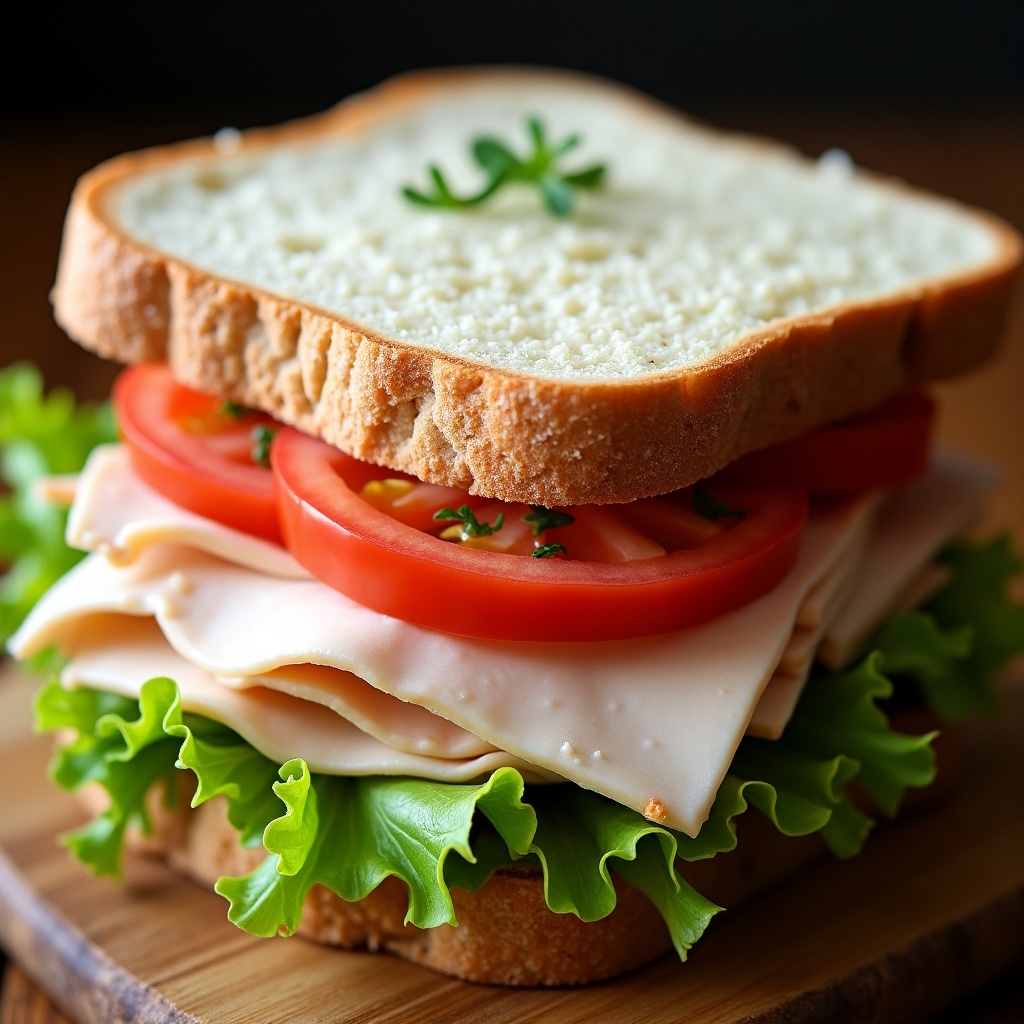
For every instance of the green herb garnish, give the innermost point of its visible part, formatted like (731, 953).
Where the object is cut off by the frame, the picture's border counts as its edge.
(234, 410)
(541, 519)
(706, 506)
(502, 166)
(471, 526)
(261, 436)
(548, 551)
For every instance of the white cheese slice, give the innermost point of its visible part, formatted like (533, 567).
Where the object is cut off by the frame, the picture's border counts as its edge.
(396, 722)
(893, 571)
(780, 696)
(656, 717)
(118, 514)
(118, 654)
(914, 523)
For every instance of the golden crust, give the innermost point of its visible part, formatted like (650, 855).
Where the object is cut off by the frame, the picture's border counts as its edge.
(451, 421)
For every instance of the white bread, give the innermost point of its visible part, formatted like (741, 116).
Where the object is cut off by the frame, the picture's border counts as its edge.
(598, 359)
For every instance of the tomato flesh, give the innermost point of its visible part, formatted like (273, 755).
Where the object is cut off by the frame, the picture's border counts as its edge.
(186, 447)
(881, 449)
(389, 566)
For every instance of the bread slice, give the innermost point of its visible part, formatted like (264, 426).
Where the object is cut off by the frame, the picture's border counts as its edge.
(718, 295)
(506, 934)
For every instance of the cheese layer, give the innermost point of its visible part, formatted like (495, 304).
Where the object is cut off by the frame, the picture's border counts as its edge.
(657, 717)
(119, 654)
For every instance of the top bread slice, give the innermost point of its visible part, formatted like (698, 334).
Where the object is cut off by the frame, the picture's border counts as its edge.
(717, 295)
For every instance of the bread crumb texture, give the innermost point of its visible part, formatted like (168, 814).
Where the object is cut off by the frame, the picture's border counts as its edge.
(719, 295)
(695, 241)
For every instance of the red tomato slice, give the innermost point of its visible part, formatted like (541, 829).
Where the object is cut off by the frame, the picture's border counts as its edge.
(387, 565)
(884, 448)
(186, 447)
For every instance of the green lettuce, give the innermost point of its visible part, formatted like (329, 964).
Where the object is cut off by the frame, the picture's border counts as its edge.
(953, 647)
(39, 436)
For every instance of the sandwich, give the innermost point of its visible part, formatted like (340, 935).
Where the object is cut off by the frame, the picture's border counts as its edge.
(524, 497)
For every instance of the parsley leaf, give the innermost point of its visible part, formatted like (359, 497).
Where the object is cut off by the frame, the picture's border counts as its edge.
(542, 519)
(261, 436)
(502, 166)
(234, 410)
(548, 551)
(471, 526)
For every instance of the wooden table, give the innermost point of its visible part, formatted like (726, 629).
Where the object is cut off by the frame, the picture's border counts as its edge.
(974, 157)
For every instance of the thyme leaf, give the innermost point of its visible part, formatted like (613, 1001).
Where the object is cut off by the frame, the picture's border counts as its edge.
(541, 519)
(501, 166)
(471, 526)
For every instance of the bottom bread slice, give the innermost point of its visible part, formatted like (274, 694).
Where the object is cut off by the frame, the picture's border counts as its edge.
(506, 934)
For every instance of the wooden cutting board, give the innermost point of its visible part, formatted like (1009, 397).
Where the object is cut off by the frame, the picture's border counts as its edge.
(931, 911)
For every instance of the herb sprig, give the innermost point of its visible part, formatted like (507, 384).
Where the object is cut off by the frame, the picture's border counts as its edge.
(470, 525)
(549, 551)
(502, 166)
(541, 519)
(235, 410)
(261, 436)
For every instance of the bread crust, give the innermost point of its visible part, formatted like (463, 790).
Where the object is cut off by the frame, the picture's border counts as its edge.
(496, 432)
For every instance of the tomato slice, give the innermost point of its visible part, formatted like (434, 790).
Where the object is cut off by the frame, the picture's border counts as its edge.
(184, 445)
(389, 566)
(884, 448)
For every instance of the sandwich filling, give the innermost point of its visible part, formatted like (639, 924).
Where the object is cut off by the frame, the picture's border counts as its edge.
(576, 712)
(353, 745)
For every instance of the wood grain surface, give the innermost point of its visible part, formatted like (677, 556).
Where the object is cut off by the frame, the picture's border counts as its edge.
(932, 910)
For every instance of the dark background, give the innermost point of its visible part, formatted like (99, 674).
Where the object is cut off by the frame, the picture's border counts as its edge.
(229, 62)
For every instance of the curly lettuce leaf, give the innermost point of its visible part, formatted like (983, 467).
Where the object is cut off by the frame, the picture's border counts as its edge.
(122, 746)
(973, 617)
(578, 834)
(128, 747)
(39, 436)
(840, 714)
(349, 834)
